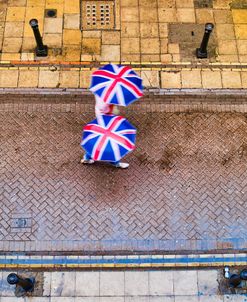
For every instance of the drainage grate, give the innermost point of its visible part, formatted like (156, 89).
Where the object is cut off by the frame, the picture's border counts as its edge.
(98, 14)
(21, 222)
(203, 3)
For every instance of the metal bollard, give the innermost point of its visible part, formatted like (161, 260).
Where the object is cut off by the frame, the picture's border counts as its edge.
(26, 284)
(234, 280)
(201, 53)
(41, 50)
(243, 274)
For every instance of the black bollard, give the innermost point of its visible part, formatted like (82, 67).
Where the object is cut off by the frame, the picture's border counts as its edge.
(234, 280)
(26, 284)
(243, 274)
(201, 53)
(41, 49)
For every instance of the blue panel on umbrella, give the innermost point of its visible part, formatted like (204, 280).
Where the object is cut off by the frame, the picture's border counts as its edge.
(136, 81)
(131, 137)
(88, 146)
(98, 80)
(114, 100)
(123, 126)
(122, 150)
(108, 154)
(108, 67)
(128, 95)
(107, 118)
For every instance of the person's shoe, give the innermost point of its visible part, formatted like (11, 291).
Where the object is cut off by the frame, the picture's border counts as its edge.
(122, 165)
(87, 161)
(115, 110)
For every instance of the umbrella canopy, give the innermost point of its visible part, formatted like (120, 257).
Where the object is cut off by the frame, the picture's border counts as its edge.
(108, 138)
(116, 84)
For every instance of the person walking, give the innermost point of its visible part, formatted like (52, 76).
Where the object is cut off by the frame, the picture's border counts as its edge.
(100, 109)
(113, 85)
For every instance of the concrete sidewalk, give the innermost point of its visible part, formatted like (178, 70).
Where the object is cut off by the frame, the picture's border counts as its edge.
(158, 38)
(125, 286)
(126, 31)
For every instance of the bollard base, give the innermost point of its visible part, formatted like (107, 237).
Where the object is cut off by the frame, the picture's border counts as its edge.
(32, 283)
(41, 52)
(235, 281)
(22, 292)
(201, 55)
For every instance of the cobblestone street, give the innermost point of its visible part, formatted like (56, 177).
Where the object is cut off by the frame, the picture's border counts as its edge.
(185, 188)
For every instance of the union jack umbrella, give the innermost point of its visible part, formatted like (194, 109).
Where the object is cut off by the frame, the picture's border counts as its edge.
(116, 84)
(108, 138)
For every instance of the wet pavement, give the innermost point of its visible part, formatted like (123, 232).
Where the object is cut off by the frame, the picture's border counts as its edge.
(185, 188)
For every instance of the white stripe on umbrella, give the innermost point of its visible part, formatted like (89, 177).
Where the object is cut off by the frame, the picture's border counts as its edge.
(101, 85)
(117, 124)
(115, 147)
(127, 132)
(90, 136)
(119, 93)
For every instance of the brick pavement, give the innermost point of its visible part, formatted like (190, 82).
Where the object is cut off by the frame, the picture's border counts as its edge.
(185, 188)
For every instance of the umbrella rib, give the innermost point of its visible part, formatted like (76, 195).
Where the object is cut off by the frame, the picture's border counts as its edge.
(120, 95)
(116, 150)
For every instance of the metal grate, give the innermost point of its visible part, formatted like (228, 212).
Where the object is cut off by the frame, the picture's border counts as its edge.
(203, 3)
(98, 14)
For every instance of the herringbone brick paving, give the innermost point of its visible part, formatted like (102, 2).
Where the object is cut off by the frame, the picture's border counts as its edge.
(187, 180)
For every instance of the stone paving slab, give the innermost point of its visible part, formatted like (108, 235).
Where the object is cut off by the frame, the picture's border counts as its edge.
(186, 192)
(138, 31)
(147, 286)
(189, 76)
(150, 34)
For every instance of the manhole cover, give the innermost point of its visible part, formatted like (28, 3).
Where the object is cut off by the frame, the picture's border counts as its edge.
(98, 14)
(21, 222)
(50, 13)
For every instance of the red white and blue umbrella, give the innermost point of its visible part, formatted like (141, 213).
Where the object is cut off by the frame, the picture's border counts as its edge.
(116, 84)
(108, 138)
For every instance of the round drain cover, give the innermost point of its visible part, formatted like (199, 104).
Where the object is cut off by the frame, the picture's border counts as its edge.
(50, 13)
